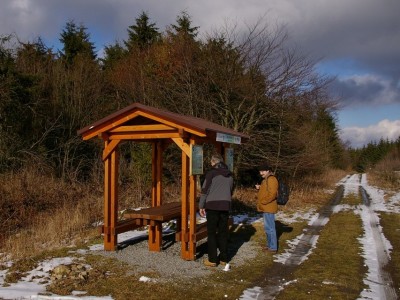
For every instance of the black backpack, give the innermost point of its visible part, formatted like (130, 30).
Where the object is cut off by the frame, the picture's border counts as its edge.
(283, 193)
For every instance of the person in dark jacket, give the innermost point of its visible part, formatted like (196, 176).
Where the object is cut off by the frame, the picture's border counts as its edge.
(215, 204)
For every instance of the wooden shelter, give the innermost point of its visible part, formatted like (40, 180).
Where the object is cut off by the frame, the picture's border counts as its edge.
(139, 122)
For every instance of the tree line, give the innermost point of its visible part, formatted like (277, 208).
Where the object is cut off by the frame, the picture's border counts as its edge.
(383, 155)
(251, 81)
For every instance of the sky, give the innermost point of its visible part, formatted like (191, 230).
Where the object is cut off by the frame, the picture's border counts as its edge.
(375, 249)
(355, 41)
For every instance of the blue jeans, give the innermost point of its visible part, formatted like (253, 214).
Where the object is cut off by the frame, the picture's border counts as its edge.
(270, 230)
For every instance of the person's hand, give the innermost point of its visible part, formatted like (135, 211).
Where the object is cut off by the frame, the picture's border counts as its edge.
(202, 212)
(257, 186)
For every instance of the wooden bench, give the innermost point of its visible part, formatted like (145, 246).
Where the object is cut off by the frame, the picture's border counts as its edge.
(147, 216)
(122, 226)
(201, 232)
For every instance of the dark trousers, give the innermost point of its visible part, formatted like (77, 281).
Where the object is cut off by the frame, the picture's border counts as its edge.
(217, 230)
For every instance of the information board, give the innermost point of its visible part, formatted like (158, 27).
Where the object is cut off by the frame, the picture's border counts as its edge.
(229, 158)
(227, 138)
(196, 160)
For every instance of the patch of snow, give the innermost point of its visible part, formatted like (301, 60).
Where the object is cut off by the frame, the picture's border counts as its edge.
(146, 279)
(33, 284)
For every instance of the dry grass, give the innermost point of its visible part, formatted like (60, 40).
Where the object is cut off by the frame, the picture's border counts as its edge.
(65, 227)
(40, 212)
(391, 229)
(48, 213)
(385, 179)
(313, 190)
(386, 173)
(319, 277)
(304, 193)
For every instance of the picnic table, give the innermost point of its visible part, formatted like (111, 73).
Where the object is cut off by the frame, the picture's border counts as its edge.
(154, 217)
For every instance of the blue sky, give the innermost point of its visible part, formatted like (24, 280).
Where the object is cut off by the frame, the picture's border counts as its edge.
(356, 41)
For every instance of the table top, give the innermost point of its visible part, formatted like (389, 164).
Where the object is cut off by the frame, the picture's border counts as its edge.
(164, 212)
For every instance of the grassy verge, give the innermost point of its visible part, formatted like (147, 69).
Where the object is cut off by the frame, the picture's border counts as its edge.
(338, 275)
(111, 277)
(108, 276)
(391, 230)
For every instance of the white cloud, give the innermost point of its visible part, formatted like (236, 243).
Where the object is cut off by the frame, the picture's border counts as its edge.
(360, 136)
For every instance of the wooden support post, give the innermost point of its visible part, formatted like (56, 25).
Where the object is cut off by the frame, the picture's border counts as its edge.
(192, 213)
(153, 174)
(110, 200)
(107, 204)
(159, 172)
(185, 254)
(155, 231)
(114, 197)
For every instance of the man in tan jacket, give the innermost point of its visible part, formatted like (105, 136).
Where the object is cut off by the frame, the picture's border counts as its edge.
(267, 194)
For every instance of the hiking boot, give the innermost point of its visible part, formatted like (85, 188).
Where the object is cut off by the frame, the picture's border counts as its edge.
(208, 263)
(223, 263)
(266, 249)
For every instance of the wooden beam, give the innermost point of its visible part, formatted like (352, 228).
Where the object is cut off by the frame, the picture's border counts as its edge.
(110, 199)
(145, 128)
(114, 199)
(192, 213)
(144, 135)
(155, 230)
(181, 144)
(159, 172)
(109, 148)
(107, 203)
(153, 174)
(108, 125)
(173, 124)
(104, 136)
(184, 215)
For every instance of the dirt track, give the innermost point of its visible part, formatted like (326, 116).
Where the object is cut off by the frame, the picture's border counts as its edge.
(379, 281)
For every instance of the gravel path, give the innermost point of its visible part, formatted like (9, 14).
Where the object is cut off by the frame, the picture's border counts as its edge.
(168, 263)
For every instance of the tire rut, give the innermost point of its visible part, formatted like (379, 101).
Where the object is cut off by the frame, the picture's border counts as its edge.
(280, 274)
(380, 281)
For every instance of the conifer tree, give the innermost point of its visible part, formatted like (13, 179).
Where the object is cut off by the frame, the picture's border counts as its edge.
(113, 54)
(142, 34)
(184, 27)
(76, 41)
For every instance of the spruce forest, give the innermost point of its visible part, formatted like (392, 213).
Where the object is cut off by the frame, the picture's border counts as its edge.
(252, 82)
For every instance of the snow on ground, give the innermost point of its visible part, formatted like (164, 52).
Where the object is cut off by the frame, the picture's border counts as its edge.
(376, 248)
(31, 286)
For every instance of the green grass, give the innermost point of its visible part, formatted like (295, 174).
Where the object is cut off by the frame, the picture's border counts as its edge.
(335, 268)
(352, 199)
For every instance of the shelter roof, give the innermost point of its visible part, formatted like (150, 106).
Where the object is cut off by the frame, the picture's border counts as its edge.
(138, 115)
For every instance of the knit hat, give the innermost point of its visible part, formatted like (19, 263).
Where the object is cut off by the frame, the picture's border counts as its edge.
(264, 167)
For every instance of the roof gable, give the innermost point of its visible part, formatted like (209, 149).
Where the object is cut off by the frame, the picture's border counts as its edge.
(127, 122)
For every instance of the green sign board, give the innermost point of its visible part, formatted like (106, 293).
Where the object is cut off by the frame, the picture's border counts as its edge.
(229, 158)
(196, 160)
